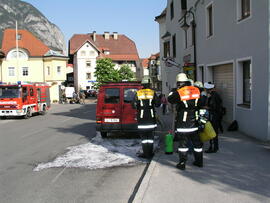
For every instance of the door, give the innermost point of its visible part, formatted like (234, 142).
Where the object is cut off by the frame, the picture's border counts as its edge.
(111, 109)
(223, 79)
(128, 112)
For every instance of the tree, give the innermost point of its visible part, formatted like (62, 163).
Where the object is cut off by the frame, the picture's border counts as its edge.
(105, 72)
(126, 73)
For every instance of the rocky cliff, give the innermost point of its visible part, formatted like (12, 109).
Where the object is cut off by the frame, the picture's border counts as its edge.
(29, 18)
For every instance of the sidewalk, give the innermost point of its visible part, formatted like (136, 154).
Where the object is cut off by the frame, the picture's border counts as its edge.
(239, 172)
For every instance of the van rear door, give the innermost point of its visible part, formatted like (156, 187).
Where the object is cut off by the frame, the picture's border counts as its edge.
(111, 109)
(129, 120)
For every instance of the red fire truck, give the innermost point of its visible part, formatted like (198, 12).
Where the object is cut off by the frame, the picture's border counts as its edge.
(24, 99)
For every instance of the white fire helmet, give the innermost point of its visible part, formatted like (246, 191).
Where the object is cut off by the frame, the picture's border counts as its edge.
(181, 77)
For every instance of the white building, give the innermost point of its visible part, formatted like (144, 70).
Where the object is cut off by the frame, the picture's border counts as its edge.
(85, 49)
(231, 40)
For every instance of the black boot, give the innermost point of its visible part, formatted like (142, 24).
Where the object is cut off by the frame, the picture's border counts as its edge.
(198, 159)
(147, 150)
(182, 161)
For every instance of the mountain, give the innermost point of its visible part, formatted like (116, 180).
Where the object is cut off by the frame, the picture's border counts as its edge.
(29, 18)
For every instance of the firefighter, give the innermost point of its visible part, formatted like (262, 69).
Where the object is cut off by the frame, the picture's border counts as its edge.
(186, 98)
(145, 102)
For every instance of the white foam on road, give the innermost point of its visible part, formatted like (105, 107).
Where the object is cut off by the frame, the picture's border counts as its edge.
(98, 153)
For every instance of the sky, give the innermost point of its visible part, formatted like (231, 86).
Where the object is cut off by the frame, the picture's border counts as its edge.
(133, 18)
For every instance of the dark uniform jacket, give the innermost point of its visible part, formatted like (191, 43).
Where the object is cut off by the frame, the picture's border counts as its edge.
(145, 102)
(187, 107)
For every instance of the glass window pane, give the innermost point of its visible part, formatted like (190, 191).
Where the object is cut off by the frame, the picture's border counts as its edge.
(112, 96)
(129, 94)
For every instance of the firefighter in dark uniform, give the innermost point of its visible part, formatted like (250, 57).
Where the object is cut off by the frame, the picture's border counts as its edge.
(145, 102)
(186, 98)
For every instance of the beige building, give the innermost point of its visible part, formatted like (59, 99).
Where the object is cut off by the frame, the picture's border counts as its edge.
(31, 61)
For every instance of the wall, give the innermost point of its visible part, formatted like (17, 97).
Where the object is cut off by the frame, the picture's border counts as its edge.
(231, 41)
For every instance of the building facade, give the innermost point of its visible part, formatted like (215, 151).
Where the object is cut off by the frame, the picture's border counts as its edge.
(227, 43)
(85, 49)
(31, 61)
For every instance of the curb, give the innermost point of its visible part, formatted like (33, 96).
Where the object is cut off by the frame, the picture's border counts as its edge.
(146, 180)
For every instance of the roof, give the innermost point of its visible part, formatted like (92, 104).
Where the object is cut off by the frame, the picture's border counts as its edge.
(122, 48)
(163, 14)
(28, 41)
(154, 56)
(145, 62)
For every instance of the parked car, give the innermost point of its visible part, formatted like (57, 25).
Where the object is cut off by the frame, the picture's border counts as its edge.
(114, 111)
(91, 93)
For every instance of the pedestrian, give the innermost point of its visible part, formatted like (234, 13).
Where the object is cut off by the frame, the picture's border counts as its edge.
(145, 101)
(164, 103)
(74, 97)
(214, 106)
(82, 97)
(186, 98)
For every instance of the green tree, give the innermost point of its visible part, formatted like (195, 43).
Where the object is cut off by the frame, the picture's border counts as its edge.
(126, 73)
(105, 72)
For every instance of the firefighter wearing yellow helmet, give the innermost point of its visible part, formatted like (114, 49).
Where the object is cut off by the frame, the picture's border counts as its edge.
(186, 97)
(145, 102)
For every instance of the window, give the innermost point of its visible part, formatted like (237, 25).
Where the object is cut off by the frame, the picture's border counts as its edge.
(19, 36)
(185, 38)
(48, 70)
(92, 53)
(83, 53)
(88, 64)
(209, 20)
(172, 10)
(246, 83)
(112, 96)
(174, 45)
(31, 91)
(25, 71)
(13, 55)
(184, 4)
(129, 94)
(11, 71)
(166, 49)
(88, 76)
(192, 33)
(59, 70)
(245, 9)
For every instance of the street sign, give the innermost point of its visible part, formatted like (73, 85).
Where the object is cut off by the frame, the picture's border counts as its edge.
(169, 61)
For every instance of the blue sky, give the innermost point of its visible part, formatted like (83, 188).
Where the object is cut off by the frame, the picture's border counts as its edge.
(134, 18)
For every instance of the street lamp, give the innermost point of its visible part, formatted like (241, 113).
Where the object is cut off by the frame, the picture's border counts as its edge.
(185, 26)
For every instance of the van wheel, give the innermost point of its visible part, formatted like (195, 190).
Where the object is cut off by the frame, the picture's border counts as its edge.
(44, 110)
(28, 113)
(104, 134)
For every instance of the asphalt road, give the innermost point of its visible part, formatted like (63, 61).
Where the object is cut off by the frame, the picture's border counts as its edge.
(26, 143)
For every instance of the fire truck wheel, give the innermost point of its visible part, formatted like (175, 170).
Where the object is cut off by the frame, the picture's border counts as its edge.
(104, 134)
(28, 113)
(44, 110)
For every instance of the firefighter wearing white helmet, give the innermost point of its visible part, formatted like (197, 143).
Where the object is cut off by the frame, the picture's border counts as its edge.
(145, 102)
(186, 98)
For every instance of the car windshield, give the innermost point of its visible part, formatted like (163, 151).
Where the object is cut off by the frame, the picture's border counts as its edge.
(9, 92)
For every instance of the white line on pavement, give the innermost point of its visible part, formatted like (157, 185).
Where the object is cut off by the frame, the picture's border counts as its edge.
(35, 132)
(58, 175)
(66, 120)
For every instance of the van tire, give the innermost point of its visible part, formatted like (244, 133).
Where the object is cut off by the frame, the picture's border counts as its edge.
(104, 134)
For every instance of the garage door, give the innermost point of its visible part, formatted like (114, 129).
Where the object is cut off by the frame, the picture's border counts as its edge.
(223, 79)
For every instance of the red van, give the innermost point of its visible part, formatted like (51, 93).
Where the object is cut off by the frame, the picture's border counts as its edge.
(114, 111)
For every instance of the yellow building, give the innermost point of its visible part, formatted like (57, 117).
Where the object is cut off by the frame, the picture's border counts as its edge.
(30, 60)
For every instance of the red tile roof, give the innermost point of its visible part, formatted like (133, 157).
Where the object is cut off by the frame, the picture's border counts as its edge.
(154, 56)
(28, 41)
(145, 63)
(122, 49)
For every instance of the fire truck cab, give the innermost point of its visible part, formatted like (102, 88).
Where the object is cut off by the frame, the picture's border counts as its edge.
(24, 99)
(114, 111)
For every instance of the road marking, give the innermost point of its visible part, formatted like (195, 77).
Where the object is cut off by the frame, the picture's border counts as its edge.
(66, 120)
(58, 175)
(6, 121)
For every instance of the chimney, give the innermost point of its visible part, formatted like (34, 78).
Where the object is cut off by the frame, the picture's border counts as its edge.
(115, 35)
(106, 35)
(94, 36)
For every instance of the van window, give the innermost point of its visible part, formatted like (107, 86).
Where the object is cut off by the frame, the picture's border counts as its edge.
(112, 96)
(129, 94)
